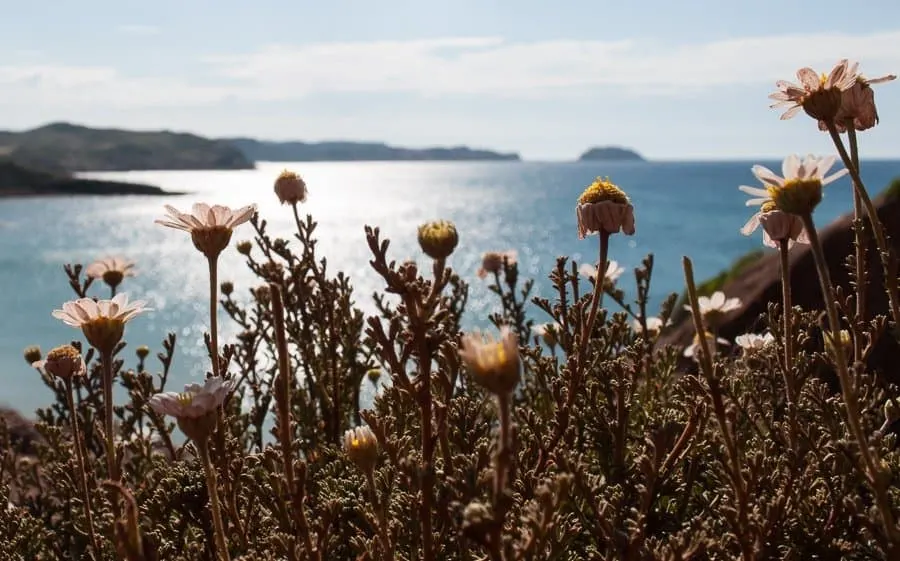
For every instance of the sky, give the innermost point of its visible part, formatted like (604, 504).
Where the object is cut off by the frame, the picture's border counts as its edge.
(673, 80)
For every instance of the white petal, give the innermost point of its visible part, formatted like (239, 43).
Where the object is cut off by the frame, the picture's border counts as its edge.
(755, 191)
(766, 175)
(790, 166)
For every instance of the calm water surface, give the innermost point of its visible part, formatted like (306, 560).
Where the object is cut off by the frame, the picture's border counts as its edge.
(681, 209)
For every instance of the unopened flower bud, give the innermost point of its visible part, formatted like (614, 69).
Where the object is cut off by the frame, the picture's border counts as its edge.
(374, 374)
(845, 340)
(361, 447)
(891, 411)
(32, 354)
(438, 239)
(244, 247)
(142, 352)
(227, 288)
(493, 364)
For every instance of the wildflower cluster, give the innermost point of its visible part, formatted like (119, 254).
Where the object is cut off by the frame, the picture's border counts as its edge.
(566, 431)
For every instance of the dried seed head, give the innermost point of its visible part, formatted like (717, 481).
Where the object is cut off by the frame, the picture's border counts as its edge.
(290, 188)
(64, 362)
(361, 447)
(227, 288)
(438, 239)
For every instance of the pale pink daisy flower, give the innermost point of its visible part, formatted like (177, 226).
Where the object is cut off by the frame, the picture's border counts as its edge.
(195, 401)
(210, 227)
(819, 96)
(753, 341)
(715, 307)
(858, 105)
(695, 349)
(111, 270)
(613, 271)
(800, 190)
(654, 325)
(101, 321)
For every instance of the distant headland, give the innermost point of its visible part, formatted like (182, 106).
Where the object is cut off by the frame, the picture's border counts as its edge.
(610, 153)
(346, 151)
(19, 181)
(67, 148)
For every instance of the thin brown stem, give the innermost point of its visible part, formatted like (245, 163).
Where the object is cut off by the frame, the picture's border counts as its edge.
(86, 498)
(789, 386)
(862, 242)
(214, 508)
(283, 393)
(715, 392)
(502, 470)
(599, 283)
(112, 465)
(387, 550)
(214, 313)
(870, 460)
(888, 258)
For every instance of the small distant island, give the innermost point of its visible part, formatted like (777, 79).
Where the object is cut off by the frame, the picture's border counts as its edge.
(610, 153)
(19, 181)
(345, 151)
(65, 148)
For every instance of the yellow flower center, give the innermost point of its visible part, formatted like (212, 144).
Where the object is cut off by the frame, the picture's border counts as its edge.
(602, 190)
(768, 206)
(185, 398)
(492, 357)
(355, 443)
(797, 196)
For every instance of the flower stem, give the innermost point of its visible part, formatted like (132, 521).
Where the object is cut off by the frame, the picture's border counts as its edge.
(715, 392)
(106, 357)
(86, 499)
(501, 471)
(888, 259)
(212, 489)
(862, 242)
(788, 341)
(387, 551)
(848, 389)
(213, 313)
(599, 283)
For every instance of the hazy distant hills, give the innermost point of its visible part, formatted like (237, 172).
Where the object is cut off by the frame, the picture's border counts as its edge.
(610, 153)
(339, 151)
(64, 147)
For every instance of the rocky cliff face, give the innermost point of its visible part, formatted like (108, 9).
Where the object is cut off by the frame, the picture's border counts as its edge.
(760, 283)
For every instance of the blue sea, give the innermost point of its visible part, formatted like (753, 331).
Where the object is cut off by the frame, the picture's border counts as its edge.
(681, 208)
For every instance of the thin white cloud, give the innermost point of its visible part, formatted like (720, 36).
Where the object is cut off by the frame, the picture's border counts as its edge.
(470, 66)
(138, 29)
